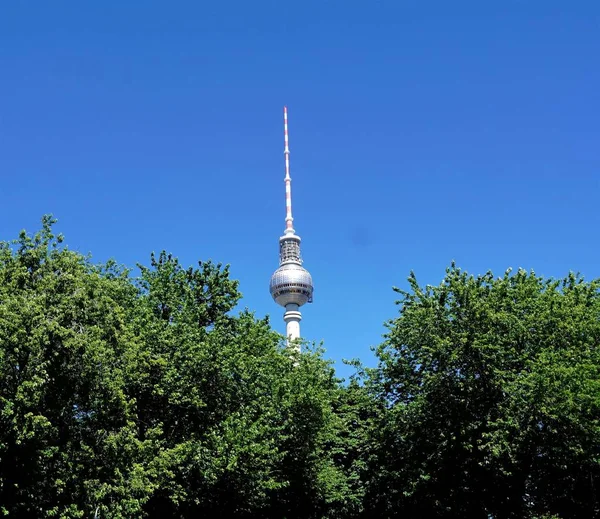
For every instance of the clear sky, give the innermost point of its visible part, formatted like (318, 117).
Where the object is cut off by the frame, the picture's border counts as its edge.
(420, 132)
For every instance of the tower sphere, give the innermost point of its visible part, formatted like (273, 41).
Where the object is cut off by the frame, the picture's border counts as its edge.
(291, 284)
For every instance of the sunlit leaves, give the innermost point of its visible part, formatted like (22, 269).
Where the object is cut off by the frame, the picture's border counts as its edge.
(126, 397)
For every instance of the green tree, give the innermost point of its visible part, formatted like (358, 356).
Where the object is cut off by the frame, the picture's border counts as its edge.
(63, 404)
(492, 395)
(125, 397)
(356, 414)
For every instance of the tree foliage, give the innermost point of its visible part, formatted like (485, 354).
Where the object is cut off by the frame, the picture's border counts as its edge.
(145, 397)
(149, 396)
(491, 387)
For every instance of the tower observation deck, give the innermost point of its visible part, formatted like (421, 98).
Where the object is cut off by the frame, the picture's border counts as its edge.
(291, 284)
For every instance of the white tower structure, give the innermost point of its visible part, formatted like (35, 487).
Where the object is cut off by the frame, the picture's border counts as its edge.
(291, 284)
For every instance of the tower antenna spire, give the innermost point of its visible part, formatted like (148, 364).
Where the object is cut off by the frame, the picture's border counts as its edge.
(289, 220)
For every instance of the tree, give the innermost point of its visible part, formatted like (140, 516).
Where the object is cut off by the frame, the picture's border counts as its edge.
(491, 387)
(357, 413)
(124, 397)
(63, 404)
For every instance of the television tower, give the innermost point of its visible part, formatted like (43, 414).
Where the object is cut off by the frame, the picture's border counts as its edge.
(291, 284)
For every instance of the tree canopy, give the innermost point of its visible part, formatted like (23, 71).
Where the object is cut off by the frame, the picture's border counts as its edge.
(143, 396)
(149, 395)
(491, 387)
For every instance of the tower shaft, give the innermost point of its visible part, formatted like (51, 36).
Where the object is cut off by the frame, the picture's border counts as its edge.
(292, 318)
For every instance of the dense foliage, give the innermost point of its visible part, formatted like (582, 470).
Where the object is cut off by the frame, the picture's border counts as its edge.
(124, 397)
(127, 396)
(492, 391)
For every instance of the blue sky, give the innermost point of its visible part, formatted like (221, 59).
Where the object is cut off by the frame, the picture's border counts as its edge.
(420, 133)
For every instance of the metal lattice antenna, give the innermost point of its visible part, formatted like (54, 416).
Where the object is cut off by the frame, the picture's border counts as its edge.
(289, 226)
